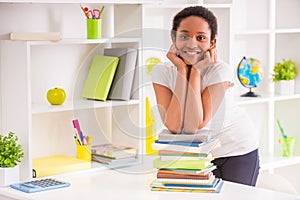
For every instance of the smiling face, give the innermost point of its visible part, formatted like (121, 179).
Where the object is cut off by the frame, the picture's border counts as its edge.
(192, 39)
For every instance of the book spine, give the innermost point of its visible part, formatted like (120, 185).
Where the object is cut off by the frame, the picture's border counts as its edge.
(178, 176)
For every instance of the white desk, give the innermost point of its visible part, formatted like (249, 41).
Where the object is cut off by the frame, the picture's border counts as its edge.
(133, 183)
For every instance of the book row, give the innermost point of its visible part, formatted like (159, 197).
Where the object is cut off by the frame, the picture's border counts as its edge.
(112, 75)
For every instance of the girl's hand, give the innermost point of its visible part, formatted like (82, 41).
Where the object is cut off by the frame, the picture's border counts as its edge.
(210, 58)
(172, 55)
(213, 53)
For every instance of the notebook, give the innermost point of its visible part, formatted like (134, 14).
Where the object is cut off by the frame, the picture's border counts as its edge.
(57, 164)
(124, 76)
(201, 136)
(100, 77)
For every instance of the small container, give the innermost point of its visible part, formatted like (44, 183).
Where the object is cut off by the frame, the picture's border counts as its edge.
(287, 145)
(84, 152)
(94, 28)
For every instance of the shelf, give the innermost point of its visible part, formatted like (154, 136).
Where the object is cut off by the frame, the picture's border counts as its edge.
(265, 98)
(79, 1)
(252, 100)
(79, 105)
(251, 32)
(288, 30)
(286, 97)
(181, 6)
(75, 41)
(266, 31)
(270, 162)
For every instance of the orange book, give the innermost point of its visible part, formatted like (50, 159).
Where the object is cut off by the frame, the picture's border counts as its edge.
(183, 175)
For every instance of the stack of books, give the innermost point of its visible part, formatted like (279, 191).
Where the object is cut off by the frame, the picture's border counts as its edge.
(185, 166)
(114, 155)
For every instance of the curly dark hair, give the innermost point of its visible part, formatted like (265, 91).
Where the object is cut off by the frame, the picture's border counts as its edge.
(198, 11)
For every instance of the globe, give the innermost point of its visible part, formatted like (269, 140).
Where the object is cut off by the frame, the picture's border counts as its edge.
(250, 73)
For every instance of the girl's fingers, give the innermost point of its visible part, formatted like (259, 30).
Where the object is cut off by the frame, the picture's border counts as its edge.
(213, 54)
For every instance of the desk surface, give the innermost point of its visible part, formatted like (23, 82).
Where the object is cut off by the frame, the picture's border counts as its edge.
(133, 183)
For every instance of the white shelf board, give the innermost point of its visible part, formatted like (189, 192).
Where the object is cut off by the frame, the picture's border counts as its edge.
(252, 100)
(288, 30)
(71, 41)
(181, 6)
(286, 97)
(251, 32)
(265, 31)
(79, 105)
(265, 98)
(80, 1)
(271, 162)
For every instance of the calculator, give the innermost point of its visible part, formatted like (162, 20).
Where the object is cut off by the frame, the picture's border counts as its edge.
(40, 185)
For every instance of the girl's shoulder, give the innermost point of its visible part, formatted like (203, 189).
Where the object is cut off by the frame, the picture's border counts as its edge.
(221, 64)
(220, 67)
(165, 67)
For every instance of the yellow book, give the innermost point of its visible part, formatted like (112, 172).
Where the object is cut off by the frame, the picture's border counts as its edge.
(57, 164)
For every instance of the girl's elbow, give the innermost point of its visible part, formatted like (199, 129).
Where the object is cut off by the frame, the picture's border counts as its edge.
(193, 128)
(174, 128)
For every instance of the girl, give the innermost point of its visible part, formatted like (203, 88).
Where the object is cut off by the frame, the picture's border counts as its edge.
(193, 93)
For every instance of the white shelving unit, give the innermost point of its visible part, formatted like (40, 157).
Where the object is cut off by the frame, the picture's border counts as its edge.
(30, 68)
(266, 30)
(269, 31)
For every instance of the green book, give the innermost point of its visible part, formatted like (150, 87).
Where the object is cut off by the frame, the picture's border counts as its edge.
(100, 77)
(182, 164)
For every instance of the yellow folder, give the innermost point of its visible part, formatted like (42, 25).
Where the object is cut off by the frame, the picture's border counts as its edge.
(57, 164)
(100, 77)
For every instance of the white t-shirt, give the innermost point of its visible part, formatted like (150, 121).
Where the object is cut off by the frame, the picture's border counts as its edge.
(230, 124)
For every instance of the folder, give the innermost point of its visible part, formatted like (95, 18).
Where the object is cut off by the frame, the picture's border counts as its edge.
(123, 80)
(100, 77)
(57, 164)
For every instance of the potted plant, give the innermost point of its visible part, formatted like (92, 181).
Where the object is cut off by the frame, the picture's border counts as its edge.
(10, 155)
(284, 75)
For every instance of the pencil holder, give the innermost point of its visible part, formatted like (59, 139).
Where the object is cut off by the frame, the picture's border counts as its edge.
(84, 152)
(287, 145)
(94, 28)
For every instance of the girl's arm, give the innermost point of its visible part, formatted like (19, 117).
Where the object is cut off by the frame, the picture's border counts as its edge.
(171, 104)
(199, 107)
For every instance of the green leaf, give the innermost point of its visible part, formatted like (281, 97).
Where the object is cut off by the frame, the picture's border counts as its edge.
(10, 151)
(285, 70)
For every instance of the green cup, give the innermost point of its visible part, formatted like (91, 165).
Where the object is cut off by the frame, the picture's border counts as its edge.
(94, 28)
(287, 145)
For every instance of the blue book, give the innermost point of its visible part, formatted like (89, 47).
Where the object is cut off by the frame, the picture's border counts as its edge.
(192, 144)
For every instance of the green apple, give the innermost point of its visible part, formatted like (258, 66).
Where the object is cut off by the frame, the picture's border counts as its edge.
(56, 96)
